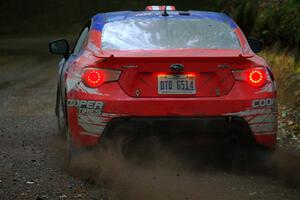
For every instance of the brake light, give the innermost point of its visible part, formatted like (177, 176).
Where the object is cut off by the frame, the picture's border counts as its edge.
(94, 78)
(256, 76)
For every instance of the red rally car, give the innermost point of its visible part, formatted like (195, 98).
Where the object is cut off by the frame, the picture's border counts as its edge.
(191, 73)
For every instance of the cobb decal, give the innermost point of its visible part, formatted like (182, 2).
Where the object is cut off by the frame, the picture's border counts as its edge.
(263, 102)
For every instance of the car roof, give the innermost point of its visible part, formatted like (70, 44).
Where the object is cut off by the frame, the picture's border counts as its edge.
(99, 20)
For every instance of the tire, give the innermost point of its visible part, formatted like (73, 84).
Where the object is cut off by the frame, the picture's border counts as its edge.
(71, 152)
(79, 158)
(61, 117)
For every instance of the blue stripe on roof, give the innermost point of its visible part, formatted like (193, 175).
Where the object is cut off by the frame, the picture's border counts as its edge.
(98, 22)
(100, 19)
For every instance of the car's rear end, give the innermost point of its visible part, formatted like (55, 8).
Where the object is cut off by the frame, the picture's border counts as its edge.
(190, 76)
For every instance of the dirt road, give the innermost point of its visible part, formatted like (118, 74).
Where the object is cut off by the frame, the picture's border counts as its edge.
(32, 163)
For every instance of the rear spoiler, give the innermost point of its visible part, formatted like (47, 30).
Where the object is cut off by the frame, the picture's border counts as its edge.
(134, 59)
(212, 54)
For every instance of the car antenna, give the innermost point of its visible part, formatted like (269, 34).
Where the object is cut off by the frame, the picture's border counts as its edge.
(165, 13)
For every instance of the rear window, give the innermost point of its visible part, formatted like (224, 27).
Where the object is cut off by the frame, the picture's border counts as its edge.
(151, 34)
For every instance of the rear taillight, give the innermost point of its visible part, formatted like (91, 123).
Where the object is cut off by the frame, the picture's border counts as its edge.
(94, 78)
(255, 76)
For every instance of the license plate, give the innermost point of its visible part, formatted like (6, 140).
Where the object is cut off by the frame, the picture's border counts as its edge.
(176, 84)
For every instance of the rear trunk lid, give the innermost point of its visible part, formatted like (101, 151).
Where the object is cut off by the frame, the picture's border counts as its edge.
(154, 76)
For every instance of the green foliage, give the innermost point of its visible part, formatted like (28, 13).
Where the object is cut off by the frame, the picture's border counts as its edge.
(274, 21)
(287, 73)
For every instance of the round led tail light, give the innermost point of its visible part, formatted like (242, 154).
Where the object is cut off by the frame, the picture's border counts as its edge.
(93, 78)
(257, 77)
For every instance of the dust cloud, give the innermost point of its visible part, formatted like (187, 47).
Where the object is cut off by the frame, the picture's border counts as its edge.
(168, 175)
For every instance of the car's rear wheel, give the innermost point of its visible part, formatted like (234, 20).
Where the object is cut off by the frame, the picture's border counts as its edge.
(61, 117)
(71, 151)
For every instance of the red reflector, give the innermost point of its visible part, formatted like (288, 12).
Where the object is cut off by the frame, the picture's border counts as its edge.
(93, 78)
(257, 77)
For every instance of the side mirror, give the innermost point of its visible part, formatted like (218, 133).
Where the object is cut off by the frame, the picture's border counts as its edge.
(59, 47)
(255, 45)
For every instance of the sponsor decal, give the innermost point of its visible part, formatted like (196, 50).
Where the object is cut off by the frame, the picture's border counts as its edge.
(93, 108)
(82, 118)
(258, 103)
(147, 14)
(262, 117)
(94, 125)
(89, 111)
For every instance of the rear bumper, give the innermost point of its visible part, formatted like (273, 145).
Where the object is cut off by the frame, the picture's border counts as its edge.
(91, 113)
(184, 130)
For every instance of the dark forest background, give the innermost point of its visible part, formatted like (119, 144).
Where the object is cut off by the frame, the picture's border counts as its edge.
(274, 21)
